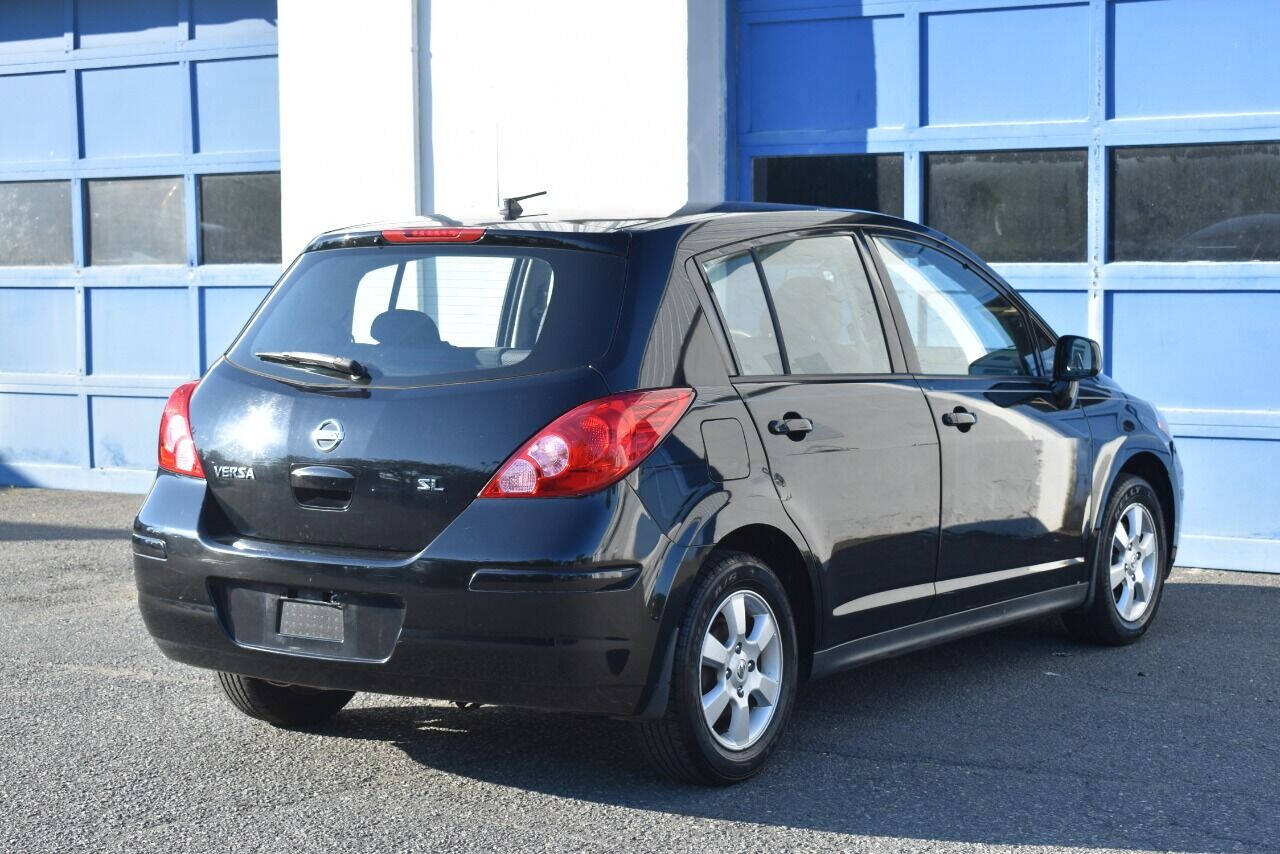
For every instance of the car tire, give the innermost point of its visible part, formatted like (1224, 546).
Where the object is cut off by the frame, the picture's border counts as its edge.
(1128, 582)
(282, 705)
(750, 681)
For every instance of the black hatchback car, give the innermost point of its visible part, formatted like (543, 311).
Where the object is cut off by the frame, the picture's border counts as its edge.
(658, 469)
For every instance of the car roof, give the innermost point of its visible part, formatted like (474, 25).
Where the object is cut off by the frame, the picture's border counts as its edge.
(578, 228)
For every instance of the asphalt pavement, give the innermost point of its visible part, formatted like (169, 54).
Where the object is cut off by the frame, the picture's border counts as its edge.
(1017, 740)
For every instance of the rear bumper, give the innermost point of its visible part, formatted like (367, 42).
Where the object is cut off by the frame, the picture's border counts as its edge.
(562, 672)
(575, 630)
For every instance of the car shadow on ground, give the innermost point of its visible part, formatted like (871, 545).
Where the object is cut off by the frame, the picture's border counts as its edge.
(26, 531)
(1021, 736)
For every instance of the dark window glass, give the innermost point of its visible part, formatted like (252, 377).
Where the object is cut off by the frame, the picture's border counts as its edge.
(1011, 205)
(137, 221)
(1195, 203)
(412, 315)
(35, 222)
(829, 320)
(871, 182)
(463, 295)
(740, 296)
(1047, 345)
(240, 218)
(959, 323)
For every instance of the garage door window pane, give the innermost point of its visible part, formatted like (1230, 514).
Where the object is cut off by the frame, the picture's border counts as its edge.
(1011, 205)
(137, 221)
(871, 182)
(740, 297)
(1196, 203)
(240, 218)
(35, 222)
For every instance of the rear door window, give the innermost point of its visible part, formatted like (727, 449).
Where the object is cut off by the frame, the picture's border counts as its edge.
(815, 296)
(740, 298)
(413, 316)
(829, 320)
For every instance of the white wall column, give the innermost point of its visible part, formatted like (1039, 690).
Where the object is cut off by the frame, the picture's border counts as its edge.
(348, 115)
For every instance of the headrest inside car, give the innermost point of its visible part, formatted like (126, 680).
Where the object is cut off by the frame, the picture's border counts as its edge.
(403, 327)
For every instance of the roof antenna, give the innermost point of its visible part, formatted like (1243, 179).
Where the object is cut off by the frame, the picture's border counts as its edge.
(511, 208)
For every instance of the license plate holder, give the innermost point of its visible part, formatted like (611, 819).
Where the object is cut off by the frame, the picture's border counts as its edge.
(306, 618)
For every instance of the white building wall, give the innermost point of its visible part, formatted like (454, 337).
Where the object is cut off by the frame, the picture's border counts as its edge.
(348, 117)
(612, 107)
(588, 100)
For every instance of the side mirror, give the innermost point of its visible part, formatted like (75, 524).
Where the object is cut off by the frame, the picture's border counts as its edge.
(1076, 358)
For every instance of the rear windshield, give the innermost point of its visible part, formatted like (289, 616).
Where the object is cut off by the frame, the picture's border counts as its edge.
(417, 316)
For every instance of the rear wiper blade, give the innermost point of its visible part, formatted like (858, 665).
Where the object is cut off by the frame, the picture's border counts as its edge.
(339, 365)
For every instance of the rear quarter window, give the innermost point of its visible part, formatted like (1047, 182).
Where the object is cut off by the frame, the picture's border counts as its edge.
(419, 316)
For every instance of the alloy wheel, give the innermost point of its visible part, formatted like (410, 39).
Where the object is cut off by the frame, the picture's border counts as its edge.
(1134, 562)
(741, 673)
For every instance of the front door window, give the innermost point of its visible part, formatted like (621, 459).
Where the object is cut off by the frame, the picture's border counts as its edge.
(960, 324)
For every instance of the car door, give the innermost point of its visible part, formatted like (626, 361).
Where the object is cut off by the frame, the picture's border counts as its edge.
(848, 434)
(1015, 447)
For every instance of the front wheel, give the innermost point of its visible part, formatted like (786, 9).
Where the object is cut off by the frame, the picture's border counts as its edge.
(734, 677)
(282, 705)
(1129, 567)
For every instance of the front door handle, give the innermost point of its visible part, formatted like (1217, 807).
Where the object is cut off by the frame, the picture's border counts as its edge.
(960, 418)
(791, 425)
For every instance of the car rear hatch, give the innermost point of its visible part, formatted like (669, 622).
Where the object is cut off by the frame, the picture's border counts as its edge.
(379, 386)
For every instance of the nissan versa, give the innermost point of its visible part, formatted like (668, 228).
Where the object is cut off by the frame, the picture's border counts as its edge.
(658, 469)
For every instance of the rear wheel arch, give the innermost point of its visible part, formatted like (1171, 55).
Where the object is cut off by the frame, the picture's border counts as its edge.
(780, 553)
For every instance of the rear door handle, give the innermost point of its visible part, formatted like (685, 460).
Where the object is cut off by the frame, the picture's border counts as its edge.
(959, 417)
(792, 425)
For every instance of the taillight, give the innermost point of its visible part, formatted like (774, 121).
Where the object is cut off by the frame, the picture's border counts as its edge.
(591, 446)
(177, 445)
(432, 235)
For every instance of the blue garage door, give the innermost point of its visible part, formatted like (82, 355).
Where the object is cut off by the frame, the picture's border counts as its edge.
(1119, 161)
(139, 219)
